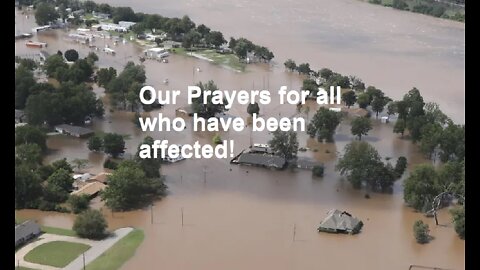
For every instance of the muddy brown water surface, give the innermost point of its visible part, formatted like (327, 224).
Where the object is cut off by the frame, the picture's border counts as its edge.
(237, 217)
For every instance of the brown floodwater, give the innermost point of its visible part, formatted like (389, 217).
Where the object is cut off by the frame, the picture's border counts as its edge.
(237, 217)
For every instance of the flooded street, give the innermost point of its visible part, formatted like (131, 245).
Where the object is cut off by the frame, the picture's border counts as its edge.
(238, 217)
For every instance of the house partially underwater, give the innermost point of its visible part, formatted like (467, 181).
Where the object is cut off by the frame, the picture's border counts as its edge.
(340, 222)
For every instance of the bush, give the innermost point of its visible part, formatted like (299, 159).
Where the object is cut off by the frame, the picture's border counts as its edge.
(420, 230)
(90, 224)
(110, 164)
(71, 55)
(459, 221)
(78, 203)
(318, 171)
(217, 139)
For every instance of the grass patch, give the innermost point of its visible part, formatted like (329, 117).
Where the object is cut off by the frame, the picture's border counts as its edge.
(226, 60)
(59, 231)
(56, 253)
(119, 253)
(51, 230)
(23, 268)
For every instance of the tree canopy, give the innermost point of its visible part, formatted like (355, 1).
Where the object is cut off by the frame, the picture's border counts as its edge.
(285, 143)
(323, 124)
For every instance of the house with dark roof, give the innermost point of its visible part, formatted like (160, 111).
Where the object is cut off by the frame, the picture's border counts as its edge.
(19, 116)
(340, 222)
(261, 160)
(26, 231)
(75, 131)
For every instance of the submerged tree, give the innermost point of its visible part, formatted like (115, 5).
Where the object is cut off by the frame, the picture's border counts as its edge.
(323, 124)
(361, 126)
(421, 231)
(285, 143)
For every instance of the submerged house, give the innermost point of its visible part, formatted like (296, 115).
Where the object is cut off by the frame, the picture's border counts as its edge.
(75, 131)
(340, 222)
(261, 160)
(156, 53)
(26, 231)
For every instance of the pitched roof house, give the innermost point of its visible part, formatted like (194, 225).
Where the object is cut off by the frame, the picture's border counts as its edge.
(340, 222)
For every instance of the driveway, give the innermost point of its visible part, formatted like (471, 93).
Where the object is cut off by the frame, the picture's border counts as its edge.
(96, 249)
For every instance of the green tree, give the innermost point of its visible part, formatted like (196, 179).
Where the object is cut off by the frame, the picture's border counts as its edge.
(95, 143)
(62, 179)
(400, 166)
(421, 230)
(361, 126)
(215, 38)
(71, 55)
(53, 63)
(363, 100)
(29, 154)
(191, 39)
(420, 187)
(208, 109)
(452, 143)
(24, 81)
(359, 163)
(326, 73)
(430, 139)
(304, 68)
(399, 126)
(356, 83)
(150, 166)
(323, 124)
(290, 65)
(62, 164)
(285, 143)
(349, 98)
(378, 104)
(78, 203)
(129, 187)
(458, 215)
(90, 224)
(391, 108)
(113, 144)
(105, 76)
(45, 13)
(253, 108)
(123, 14)
(318, 171)
(92, 58)
(30, 134)
(27, 187)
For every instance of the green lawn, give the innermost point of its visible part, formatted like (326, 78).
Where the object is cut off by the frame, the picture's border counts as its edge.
(23, 268)
(119, 253)
(56, 253)
(225, 60)
(59, 231)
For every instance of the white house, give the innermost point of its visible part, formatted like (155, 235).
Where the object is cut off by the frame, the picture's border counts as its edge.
(156, 53)
(126, 24)
(113, 27)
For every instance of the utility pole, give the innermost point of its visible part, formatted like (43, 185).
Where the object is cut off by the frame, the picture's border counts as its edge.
(151, 213)
(182, 216)
(205, 174)
(84, 261)
(294, 231)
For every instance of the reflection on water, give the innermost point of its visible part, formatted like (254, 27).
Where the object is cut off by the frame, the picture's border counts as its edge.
(242, 217)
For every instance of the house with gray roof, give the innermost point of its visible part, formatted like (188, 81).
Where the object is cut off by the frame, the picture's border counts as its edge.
(75, 131)
(340, 222)
(262, 160)
(26, 231)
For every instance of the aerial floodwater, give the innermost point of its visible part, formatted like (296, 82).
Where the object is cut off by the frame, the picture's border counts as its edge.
(222, 216)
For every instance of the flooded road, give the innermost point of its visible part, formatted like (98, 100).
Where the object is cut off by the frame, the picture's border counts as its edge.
(237, 217)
